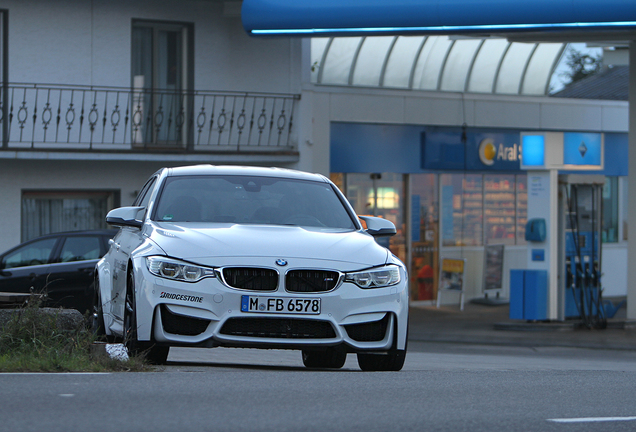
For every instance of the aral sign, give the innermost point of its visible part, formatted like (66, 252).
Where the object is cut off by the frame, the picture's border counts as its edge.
(493, 151)
(490, 152)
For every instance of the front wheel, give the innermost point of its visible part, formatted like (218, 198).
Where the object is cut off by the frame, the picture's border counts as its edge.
(153, 353)
(330, 358)
(392, 361)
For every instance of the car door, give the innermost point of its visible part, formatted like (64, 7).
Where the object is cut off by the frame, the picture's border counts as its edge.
(72, 272)
(123, 244)
(121, 247)
(25, 268)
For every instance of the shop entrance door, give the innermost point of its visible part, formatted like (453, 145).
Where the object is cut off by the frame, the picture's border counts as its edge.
(424, 270)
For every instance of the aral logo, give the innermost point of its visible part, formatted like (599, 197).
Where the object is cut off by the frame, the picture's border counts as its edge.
(487, 152)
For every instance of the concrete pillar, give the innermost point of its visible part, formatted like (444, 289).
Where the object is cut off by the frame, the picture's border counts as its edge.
(631, 209)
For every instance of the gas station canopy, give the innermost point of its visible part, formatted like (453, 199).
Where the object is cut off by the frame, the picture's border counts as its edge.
(436, 63)
(609, 18)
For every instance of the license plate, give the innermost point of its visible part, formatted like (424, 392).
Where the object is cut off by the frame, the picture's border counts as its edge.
(281, 305)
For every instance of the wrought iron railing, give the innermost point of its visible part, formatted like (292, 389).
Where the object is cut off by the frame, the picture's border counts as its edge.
(103, 118)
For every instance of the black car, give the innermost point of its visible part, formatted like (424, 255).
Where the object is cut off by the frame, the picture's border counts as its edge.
(62, 265)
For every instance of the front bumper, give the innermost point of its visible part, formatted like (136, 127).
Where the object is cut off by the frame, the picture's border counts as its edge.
(208, 313)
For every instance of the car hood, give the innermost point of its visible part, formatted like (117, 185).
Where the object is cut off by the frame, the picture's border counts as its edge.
(222, 244)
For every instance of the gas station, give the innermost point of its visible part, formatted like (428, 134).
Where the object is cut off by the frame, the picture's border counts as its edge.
(560, 277)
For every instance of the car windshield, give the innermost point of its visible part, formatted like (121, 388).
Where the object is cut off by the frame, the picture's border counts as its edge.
(251, 200)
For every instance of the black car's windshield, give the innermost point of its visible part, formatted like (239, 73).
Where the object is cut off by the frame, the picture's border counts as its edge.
(251, 200)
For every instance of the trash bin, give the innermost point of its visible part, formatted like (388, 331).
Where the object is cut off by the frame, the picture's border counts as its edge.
(529, 294)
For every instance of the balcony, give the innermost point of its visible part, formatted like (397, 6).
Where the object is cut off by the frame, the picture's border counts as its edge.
(123, 123)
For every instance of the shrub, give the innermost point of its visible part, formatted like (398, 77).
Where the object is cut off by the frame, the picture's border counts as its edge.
(41, 340)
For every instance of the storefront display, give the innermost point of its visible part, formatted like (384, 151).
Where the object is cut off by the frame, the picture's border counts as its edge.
(453, 191)
(424, 230)
(500, 210)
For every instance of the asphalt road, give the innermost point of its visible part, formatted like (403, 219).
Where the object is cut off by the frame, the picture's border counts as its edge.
(443, 387)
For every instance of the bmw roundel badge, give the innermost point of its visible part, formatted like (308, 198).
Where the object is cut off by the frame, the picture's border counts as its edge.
(281, 262)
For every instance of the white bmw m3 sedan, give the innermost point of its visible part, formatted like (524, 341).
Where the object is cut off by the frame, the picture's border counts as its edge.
(249, 257)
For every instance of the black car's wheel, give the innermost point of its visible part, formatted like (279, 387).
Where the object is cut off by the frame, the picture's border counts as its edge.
(153, 353)
(332, 358)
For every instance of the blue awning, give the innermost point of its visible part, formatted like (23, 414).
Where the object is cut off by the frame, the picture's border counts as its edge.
(366, 17)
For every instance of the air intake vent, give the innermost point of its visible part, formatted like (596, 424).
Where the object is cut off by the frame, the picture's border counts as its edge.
(368, 332)
(311, 280)
(281, 328)
(182, 325)
(254, 279)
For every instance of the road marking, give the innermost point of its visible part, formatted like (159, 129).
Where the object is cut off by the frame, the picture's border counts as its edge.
(54, 373)
(67, 395)
(592, 419)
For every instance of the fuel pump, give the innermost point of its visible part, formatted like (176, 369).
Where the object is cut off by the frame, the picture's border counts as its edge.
(580, 210)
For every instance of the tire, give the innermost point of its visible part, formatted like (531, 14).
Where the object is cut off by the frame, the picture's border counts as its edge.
(330, 358)
(392, 361)
(152, 353)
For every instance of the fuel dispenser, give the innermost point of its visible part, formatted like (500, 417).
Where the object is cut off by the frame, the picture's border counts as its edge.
(562, 278)
(580, 225)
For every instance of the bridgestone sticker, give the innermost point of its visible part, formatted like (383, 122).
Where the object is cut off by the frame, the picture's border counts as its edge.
(181, 297)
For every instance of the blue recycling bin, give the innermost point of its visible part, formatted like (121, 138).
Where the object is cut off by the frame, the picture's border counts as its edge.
(529, 295)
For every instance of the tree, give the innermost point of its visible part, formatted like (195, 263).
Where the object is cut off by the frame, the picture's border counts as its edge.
(581, 66)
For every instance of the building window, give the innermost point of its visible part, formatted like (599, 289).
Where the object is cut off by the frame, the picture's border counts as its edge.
(45, 212)
(382, 195)
(483, 209)
(610, 210)
(462, 209)
(500, 209)
(424, 267)
(470, 210)
(162, 72)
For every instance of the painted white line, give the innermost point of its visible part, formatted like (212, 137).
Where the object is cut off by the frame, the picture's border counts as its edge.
(67, 395)
(592, 419)
(54, 373)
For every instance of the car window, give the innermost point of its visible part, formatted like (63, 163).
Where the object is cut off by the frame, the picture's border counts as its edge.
(251, 200)
(35, 253)
(144, 195)
(80, 249)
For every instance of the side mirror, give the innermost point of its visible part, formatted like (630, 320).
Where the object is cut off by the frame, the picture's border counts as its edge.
(125, 217)
(379, 227)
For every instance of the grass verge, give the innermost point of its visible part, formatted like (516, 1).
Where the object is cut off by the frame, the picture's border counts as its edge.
(33, 341)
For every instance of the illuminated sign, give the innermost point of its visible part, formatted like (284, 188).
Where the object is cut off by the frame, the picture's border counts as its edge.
(582, 149)
(533, 150)
(489, 152)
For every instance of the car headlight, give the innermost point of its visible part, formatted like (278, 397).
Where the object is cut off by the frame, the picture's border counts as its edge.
(177, 270)
(376, 277)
